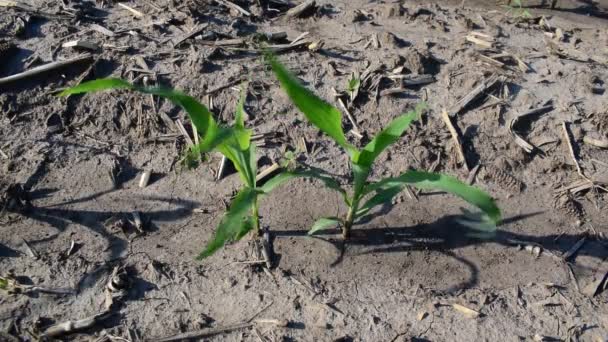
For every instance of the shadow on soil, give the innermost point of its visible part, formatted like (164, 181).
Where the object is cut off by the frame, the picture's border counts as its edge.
(444, 236)
(97, 220)
(585, 7)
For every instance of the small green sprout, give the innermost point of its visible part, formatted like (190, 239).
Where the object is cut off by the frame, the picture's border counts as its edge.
(367, 195)
(234, 142)
(353, 86)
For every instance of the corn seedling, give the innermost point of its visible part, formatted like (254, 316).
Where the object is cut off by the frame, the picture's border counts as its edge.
(234, 142)
(353, 86)
(367, 195)
(517, 7)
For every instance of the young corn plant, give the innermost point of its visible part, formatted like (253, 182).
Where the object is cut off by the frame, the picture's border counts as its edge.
(234, 142)
(367, 195)
(517, 7)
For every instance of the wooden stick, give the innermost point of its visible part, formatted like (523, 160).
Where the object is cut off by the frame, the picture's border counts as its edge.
(72, 326)
(267, 172)
(196, 30)
(456, 137)
(266, 248)
(473, 174)
(414, 80)
(479, 42)
(350, 118)
(518, 139)
(220, 171)
(574, 248)
(183, 131)
(474, 94)
(132, 10)
(571, 150)
(44, 68)
(204, 333)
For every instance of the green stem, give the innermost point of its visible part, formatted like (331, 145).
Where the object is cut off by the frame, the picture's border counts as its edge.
(256, 217)
(348, 223)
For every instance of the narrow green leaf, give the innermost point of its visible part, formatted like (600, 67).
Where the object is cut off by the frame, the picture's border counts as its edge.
(320, 113)
(388, 136)
(427, 180)
(97, 85)
(382, 196)
(239, 115)
(324, 223)
(198, 113)
(235, 223)
(283, 177)
(212, 134)
(360, 174)
(242, 161)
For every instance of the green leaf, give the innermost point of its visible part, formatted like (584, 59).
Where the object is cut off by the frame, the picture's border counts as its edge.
(324, 223)
(382, 196)
(283, 177)
(239, 115)
(353, 84)
(360, 174)
(427, 180)
(388, 136)
(320, 113)
(199, 114)
(235, 223)
(243, 161)
(212, 134)
(97, 85)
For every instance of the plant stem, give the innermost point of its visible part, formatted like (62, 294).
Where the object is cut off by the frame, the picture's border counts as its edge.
(348, 223)
(256, 217)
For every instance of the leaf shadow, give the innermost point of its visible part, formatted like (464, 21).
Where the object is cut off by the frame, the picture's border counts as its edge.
(444, 236)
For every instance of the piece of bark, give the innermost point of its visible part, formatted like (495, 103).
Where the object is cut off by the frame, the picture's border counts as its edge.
(301, 9)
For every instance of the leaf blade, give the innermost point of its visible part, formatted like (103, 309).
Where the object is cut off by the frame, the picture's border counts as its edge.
(285, 176)
(382, 196)
(96, 85)
(324, 223)
(428, 180)
(388, 136)
(212, 134)
(320, 113)
(234, 224)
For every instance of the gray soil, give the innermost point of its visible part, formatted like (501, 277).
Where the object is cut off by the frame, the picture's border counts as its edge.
(70, 170)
